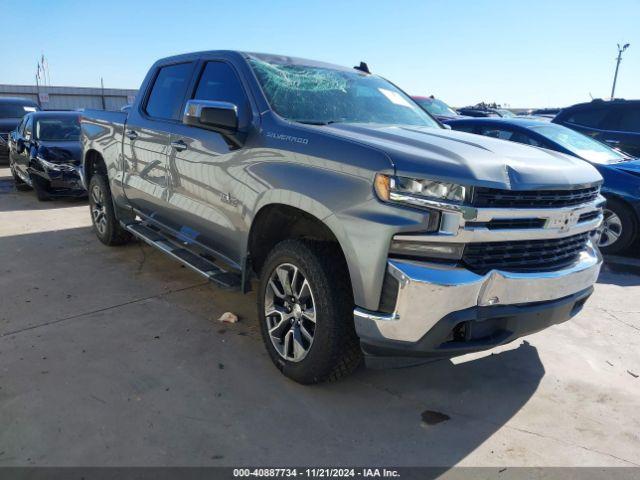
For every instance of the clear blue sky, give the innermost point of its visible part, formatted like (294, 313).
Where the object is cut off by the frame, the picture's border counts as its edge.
(529, 53)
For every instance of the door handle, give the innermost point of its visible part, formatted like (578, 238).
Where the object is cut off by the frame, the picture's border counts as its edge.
(612, 142)
(131, 134)
(145, 171)
(178, 145)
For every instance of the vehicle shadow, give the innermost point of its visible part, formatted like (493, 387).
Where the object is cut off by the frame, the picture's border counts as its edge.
(621, 270)
(26, 200)
(457, 406)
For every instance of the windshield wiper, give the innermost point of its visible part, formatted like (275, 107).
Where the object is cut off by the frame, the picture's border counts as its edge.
(311, 122)
(317, 122)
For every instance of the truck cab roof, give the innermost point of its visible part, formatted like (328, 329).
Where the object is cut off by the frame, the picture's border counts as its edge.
(267, 57)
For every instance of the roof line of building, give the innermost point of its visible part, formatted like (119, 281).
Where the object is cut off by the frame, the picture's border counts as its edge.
(33, 89)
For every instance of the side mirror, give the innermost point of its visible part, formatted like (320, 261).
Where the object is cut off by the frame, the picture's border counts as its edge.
(448, 127)
(217, 116)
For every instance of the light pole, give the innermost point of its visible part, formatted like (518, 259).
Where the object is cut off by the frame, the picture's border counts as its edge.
(615, 77)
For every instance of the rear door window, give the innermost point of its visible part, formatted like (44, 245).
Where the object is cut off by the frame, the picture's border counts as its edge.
(588, 118)
(168, 91)
(630, 120)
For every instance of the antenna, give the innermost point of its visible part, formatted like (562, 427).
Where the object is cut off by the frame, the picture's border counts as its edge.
(363, 67)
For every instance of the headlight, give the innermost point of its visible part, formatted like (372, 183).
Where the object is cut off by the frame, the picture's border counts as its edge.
(411, 190)
(55, 166)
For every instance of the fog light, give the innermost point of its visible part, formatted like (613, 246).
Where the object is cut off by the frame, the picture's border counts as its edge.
(451, 251)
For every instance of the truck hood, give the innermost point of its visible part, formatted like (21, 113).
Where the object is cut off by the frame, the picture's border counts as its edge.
(469, 159)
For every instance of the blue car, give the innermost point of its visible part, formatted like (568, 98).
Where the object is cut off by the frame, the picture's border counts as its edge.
(621, 172)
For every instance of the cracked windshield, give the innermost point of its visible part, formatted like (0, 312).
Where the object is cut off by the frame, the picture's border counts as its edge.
(320, 96)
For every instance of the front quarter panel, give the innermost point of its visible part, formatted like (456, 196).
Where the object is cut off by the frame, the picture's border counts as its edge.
(330, 178)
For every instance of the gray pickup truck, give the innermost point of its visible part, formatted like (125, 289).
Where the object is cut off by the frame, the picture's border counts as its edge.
(370, 228)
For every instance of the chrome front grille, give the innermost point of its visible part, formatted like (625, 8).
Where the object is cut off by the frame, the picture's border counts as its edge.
(587, 217)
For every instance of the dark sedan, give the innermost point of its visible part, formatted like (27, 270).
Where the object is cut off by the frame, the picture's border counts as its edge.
(615, 122)
(11, 112)
(621, 172)
(483, 110)
(45, 154)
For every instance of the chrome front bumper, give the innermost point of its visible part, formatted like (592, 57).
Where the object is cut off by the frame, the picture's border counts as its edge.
(429, 292)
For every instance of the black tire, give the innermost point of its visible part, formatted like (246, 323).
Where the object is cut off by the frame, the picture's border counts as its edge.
(109, 232)
(20, 185)
(39, 186)
(627, 227)
(335, 351)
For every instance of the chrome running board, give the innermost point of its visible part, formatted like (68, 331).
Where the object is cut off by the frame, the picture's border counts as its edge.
(190, 259)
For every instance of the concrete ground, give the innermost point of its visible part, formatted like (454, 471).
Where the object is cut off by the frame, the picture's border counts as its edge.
(113, 356)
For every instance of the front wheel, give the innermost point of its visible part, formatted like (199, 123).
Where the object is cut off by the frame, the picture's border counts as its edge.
(619, 227)
(305, 307)
(40, 187)
(106, 225)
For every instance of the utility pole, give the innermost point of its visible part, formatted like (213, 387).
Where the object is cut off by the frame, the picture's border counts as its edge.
(104, 105)
(38, 89)
(615, 77)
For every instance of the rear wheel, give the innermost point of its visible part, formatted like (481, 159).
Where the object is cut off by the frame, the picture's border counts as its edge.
(305, 307)
(105, 224)
(619, 227)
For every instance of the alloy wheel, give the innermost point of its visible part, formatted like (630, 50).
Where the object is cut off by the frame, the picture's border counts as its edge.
(290, 313)
(611, 229)
(98, 210)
